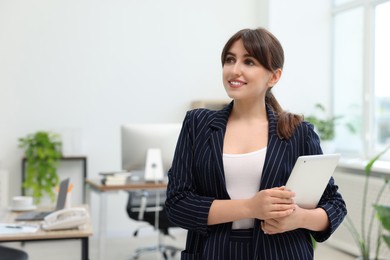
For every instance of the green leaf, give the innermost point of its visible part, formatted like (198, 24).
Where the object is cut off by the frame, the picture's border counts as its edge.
(373, 160)
(383, 214)
(386, 238)
(325, 125)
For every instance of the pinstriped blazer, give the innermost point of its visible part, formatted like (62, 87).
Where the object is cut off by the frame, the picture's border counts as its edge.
(196, 178)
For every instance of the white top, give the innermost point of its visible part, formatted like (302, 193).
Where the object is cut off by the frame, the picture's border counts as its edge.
(243, 174)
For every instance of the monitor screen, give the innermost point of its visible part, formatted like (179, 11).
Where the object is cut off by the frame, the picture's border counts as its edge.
(136, 139)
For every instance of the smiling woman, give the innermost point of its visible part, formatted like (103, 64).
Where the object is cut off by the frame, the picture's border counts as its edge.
(239, 69)
(267, 59)
(230, 166)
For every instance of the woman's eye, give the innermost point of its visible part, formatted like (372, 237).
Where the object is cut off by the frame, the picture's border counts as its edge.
(229, 60)
(249, 62)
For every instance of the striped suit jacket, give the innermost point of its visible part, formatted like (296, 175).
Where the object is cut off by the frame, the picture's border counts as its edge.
(196, 178)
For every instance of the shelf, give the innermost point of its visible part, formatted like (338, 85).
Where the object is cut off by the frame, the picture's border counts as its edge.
(81, 183)
(210, 104)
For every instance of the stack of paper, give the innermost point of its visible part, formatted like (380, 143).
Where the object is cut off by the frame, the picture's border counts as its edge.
(7, 228)
(118, 178)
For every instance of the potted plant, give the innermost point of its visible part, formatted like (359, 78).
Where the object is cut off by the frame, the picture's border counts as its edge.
(42, 151)
(325, 126)
(362, 238)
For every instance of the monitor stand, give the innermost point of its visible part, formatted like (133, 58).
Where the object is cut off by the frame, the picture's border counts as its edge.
(153, 168)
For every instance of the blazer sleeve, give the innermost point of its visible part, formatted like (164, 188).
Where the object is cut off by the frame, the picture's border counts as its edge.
(331, 201)
(184, 206)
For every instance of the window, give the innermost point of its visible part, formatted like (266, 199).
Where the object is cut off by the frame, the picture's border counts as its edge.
(381, 76)
(361, 81)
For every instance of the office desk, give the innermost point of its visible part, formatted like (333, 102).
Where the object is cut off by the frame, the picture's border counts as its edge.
(7, 216)
(103, 190)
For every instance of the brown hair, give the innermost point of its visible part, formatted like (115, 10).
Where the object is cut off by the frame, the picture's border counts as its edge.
(267, 50)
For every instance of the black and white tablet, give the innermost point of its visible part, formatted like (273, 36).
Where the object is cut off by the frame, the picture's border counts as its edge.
(309, 177)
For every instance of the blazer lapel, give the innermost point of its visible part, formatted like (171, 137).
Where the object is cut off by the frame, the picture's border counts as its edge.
(276, 149)
(218, 128)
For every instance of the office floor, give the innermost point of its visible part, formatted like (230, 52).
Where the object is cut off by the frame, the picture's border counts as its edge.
(121, 248)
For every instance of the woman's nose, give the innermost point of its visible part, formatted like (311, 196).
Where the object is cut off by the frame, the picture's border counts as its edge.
(237, 68)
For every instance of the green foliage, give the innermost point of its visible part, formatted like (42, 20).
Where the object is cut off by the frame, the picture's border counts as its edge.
(313, 242)
(363, 239)
(42, 151)
(383, 214)
(325, 126)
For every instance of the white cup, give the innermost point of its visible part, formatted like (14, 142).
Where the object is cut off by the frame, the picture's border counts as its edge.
(22, 202)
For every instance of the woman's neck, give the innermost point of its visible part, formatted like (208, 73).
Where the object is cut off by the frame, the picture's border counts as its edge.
(249, 110)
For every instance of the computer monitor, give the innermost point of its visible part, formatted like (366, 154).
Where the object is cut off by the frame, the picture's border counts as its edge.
(149, 147)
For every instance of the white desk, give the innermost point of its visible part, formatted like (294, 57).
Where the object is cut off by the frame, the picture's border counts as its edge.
(103, 190)
(7, 216)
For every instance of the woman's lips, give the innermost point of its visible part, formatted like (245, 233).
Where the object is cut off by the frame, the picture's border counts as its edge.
(236, 83)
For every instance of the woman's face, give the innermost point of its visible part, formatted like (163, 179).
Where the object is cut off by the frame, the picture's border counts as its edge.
(244, 77)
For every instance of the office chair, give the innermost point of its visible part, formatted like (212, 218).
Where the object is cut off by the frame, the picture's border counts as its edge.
(149, 206)
(11, 253)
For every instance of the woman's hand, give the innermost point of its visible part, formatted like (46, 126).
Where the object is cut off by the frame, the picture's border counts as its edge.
(272, 203)
(311, 219)
(283, 224)
(266, 204)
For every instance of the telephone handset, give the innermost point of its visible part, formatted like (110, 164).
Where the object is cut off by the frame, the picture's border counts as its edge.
(66, 219)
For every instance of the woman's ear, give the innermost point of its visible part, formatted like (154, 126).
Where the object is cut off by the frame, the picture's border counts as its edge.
(276, 74)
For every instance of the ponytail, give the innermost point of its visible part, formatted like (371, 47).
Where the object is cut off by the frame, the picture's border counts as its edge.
(287, 122)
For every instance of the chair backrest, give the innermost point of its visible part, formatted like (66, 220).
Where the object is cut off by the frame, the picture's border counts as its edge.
(143, 201)
(142, 206)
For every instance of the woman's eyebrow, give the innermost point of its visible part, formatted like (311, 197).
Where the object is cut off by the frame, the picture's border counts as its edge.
(230, 53)
(247, 55)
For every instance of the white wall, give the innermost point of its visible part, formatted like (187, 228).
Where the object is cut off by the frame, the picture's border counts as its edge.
(85, 67)
(304, 29)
